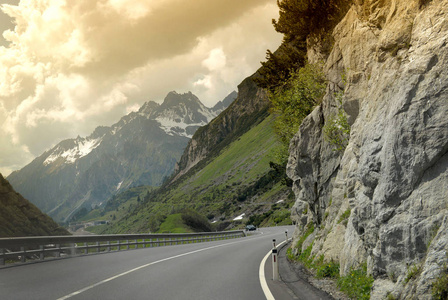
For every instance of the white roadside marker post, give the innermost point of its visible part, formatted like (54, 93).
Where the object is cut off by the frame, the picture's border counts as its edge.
(275, 275)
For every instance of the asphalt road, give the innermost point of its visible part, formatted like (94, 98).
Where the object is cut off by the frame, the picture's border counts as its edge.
(214, 270)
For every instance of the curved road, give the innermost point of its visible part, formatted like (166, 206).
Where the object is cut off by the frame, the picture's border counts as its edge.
(214, 270)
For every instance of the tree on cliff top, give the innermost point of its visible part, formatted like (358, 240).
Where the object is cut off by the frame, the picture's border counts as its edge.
(298, 21)
(300, 18)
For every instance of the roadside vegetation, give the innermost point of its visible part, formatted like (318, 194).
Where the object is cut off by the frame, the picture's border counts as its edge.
(356, 284)
(440, 286)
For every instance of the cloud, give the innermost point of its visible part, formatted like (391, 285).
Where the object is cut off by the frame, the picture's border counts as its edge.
(216, 60)
(72, 65)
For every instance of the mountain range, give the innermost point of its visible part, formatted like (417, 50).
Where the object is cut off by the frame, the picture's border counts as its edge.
(141, 149)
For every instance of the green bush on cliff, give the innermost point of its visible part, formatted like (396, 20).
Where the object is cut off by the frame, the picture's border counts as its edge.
(344, 217)
(336, 129)
(440, 286)
(327, 269)
(357, 283)
(295, 99)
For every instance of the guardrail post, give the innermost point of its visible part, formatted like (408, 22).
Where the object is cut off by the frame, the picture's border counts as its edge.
(58, 251)
(72, 249)
(98, 248)
(2, 256)
(108, 246)
(23, 257)
(42, 252)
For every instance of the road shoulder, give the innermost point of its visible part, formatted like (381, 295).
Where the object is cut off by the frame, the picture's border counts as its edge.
(294, 283)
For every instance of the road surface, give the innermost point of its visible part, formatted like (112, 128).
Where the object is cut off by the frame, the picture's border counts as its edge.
(214, 270)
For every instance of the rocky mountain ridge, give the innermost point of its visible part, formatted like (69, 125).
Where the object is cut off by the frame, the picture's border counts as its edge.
(141, 149)
(250, 103)
(389, 183)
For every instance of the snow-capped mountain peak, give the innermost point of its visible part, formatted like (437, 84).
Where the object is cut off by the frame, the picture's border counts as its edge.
(181, 114)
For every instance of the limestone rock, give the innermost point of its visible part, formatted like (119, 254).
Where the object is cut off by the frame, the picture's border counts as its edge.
(394, 171)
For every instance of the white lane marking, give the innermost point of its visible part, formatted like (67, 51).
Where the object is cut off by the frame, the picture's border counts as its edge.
(264, 284)
(262, 276)
(141, 267)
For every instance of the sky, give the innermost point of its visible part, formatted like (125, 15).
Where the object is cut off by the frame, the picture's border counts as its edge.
(68, 66)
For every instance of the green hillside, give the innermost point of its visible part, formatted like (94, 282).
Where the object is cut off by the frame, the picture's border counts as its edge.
(19, 217)
(242, 179)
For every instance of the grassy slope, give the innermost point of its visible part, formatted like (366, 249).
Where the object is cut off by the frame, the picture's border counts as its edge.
(174, 224)
(19, 217)
(216, 189)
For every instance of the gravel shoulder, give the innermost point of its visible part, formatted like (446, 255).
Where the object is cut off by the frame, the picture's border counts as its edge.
(303, 283)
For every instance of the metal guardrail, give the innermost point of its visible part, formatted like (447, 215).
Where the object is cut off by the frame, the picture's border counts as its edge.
(23, 249)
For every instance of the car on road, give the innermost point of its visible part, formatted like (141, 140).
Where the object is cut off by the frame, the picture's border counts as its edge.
(251, 228)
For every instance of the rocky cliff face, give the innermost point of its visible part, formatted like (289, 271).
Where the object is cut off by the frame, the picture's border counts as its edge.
(389, 60)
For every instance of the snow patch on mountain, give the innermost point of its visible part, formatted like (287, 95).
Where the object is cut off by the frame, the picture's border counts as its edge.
(119, 185)
(82, 148)
(172, 127)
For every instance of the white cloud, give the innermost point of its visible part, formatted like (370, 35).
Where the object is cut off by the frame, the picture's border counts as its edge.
(216, 60)
(206, 82)
(132, 108)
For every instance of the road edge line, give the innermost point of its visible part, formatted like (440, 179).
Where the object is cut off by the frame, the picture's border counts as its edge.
(262, 276)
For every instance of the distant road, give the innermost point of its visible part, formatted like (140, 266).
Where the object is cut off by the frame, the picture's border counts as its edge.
(214, 270)
(81, 231)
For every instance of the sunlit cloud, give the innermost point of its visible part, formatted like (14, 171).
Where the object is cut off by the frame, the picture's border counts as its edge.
(216, 60)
